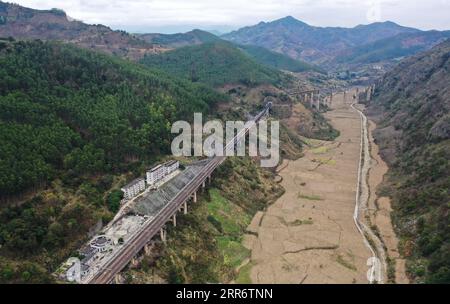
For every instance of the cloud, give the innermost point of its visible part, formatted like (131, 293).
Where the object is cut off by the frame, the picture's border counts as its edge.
(150, 15)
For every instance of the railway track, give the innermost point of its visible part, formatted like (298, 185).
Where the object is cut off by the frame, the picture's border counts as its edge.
(133, 246)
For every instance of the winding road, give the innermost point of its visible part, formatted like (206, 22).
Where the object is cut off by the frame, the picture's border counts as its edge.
(378, 270)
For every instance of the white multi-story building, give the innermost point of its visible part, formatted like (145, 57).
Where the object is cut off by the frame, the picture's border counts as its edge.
(156, 174)
(159, 172)
(172, 166)
(134, 188)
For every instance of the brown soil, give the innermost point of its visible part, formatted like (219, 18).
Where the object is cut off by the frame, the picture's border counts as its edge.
(308, 235)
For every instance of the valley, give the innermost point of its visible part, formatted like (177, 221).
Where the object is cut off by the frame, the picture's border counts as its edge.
(89, 176)
(309, 235)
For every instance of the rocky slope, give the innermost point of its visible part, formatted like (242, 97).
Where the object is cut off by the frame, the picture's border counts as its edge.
(412, 108)
(25, 23)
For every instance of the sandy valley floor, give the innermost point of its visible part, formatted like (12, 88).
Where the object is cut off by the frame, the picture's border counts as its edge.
(308, 235)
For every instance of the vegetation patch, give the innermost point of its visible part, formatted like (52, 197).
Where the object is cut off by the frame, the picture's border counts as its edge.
(301, 222)
(341, 260)
(244, 274)
(309, 197)
(324, 161)
(234, 253)
(320, 150)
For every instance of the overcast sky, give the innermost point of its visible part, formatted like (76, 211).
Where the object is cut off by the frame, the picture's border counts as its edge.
(170, 16)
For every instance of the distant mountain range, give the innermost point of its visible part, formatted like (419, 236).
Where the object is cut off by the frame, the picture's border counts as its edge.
(332, 45)
(396, 47)
(26, 23)
(193, 37)
(328, 47)
(259, 54)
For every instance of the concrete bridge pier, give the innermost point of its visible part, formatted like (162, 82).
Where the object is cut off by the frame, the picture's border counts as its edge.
(185, 209)
(174, 220)
(148, 248)
(371, 90)
(194, 197)
(118, 279)
(163, 235)
(134, 262)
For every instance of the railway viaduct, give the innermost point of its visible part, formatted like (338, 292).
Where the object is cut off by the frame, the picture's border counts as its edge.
(142, 240)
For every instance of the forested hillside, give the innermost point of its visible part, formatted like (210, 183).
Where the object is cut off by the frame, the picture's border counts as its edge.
(193, 37)
(277, 60)
(412, 105)
(402, 45)
(214, 64)
(63, 108)
(259, 54)
(75, 125)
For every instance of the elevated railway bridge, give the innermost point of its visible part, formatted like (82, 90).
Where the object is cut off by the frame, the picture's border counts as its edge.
(107, 273)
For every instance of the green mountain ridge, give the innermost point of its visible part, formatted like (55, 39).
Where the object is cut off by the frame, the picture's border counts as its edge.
(391, 48)
(411, 107)
(215, 64)
(259, 54)
(277, 60)
(193, 37)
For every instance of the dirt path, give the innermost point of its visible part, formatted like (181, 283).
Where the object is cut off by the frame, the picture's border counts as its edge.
(308, 235)
(378, 260)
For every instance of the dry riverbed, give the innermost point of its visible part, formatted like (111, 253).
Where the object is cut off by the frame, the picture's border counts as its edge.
(309, 236)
